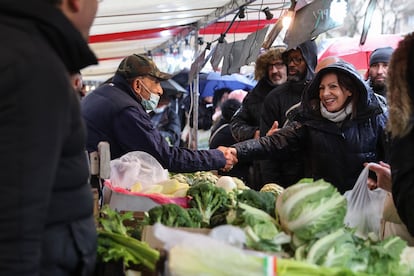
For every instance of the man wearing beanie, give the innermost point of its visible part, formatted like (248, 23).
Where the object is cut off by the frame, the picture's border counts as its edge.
(378, 67)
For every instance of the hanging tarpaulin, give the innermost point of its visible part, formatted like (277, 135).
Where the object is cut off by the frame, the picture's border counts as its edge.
(314, 19)
(218, 54)
(232, 53)
(243, 52)
(197, 65)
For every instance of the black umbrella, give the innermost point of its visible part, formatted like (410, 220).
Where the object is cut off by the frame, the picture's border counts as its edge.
(171, 87)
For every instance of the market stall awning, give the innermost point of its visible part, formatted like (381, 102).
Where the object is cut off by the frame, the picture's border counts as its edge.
(125, 27)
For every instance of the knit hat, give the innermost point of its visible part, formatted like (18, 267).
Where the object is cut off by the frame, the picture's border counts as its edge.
(381, 55)
(139, 65)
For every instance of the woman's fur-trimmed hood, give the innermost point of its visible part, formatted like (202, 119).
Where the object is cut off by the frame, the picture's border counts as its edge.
(400, 88)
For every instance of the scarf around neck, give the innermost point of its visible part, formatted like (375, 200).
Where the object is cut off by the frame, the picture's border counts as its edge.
(338, 116)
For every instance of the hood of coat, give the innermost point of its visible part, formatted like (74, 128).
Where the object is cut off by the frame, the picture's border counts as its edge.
(309, 52)
(367, 103)
(400, 87)
(59, 32)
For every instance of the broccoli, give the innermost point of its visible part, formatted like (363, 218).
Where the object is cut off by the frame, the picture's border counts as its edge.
(195, 216)
(207, 198)
(265, 201)
(172, 215)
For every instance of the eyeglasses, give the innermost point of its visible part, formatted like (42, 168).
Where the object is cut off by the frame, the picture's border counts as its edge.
(278, 65)
(296, 60)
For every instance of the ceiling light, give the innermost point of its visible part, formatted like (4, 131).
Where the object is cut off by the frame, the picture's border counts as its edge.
(267, 12)
(242, 13)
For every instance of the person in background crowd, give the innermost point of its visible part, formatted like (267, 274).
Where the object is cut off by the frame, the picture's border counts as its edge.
(204, 121)
(270, 72)
(221, 133)
(47, 226)
(378, 68)
(117, 113)
(166, 121)
(301, 62)
(77, 83)
(400, 99)
(340, 126)
(220, 96)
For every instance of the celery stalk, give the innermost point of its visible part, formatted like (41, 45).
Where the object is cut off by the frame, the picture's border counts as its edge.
(140, 251)
(192, 260)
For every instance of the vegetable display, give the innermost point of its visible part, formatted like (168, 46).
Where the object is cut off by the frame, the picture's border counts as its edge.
(174, 216)
(207, 199)
(310, 209)
(115, 243)
(303, 225)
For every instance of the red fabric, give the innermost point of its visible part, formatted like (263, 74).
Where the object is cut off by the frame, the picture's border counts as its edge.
(349, 49)
(158, 198)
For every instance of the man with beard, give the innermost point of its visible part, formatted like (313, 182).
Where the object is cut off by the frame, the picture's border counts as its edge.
(270, 71)
(378, 68)
(301, 62)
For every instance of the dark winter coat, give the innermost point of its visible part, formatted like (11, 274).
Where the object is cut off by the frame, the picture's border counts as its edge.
(401, 124)
(168, 123)
(246, 120)
(402, 168)
(113, 113)
(333, 152)
(221, 136)
(46, 202)
(276, 103)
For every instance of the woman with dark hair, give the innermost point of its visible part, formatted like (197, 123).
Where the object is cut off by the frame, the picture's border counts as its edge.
(339, 126)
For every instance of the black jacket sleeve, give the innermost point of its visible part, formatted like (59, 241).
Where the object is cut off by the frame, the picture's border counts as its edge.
(278, 146)
(402, 168)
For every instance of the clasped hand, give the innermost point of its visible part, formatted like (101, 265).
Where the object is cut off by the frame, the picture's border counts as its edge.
(231, 157)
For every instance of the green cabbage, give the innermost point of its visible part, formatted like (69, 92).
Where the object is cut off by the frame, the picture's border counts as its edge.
(310, 210)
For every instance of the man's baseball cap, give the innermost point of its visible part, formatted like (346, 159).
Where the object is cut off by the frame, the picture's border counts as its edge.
(138, 65)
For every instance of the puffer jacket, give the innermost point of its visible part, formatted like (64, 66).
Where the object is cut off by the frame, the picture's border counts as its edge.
(276, 104)
(113, 113)
(46, 200)
(333, 152)
(246, 120)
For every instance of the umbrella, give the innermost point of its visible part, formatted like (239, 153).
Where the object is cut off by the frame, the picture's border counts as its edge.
(349, 49)
(215, 81)
(171, 87)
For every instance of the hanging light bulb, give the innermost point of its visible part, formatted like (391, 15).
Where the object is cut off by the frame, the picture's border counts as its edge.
(268, 14)
(242, 12)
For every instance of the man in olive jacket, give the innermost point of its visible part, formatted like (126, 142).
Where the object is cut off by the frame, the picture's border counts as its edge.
(46, 223)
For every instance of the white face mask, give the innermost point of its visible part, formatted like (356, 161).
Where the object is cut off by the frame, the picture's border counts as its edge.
(152, 103)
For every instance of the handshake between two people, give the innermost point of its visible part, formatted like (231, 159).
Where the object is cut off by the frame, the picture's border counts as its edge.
(231, 153)
(231, 157)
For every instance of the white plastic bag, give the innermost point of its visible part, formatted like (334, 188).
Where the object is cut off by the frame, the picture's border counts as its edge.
(365, 207)
(136, 166)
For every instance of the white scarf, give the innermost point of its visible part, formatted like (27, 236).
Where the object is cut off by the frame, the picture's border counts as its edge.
(338, 116)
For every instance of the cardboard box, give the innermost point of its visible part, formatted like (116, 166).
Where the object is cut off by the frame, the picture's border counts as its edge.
(149, 237)
(125, 202)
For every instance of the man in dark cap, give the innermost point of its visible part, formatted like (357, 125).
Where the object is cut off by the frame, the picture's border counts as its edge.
(117, 112)
(378, 68)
